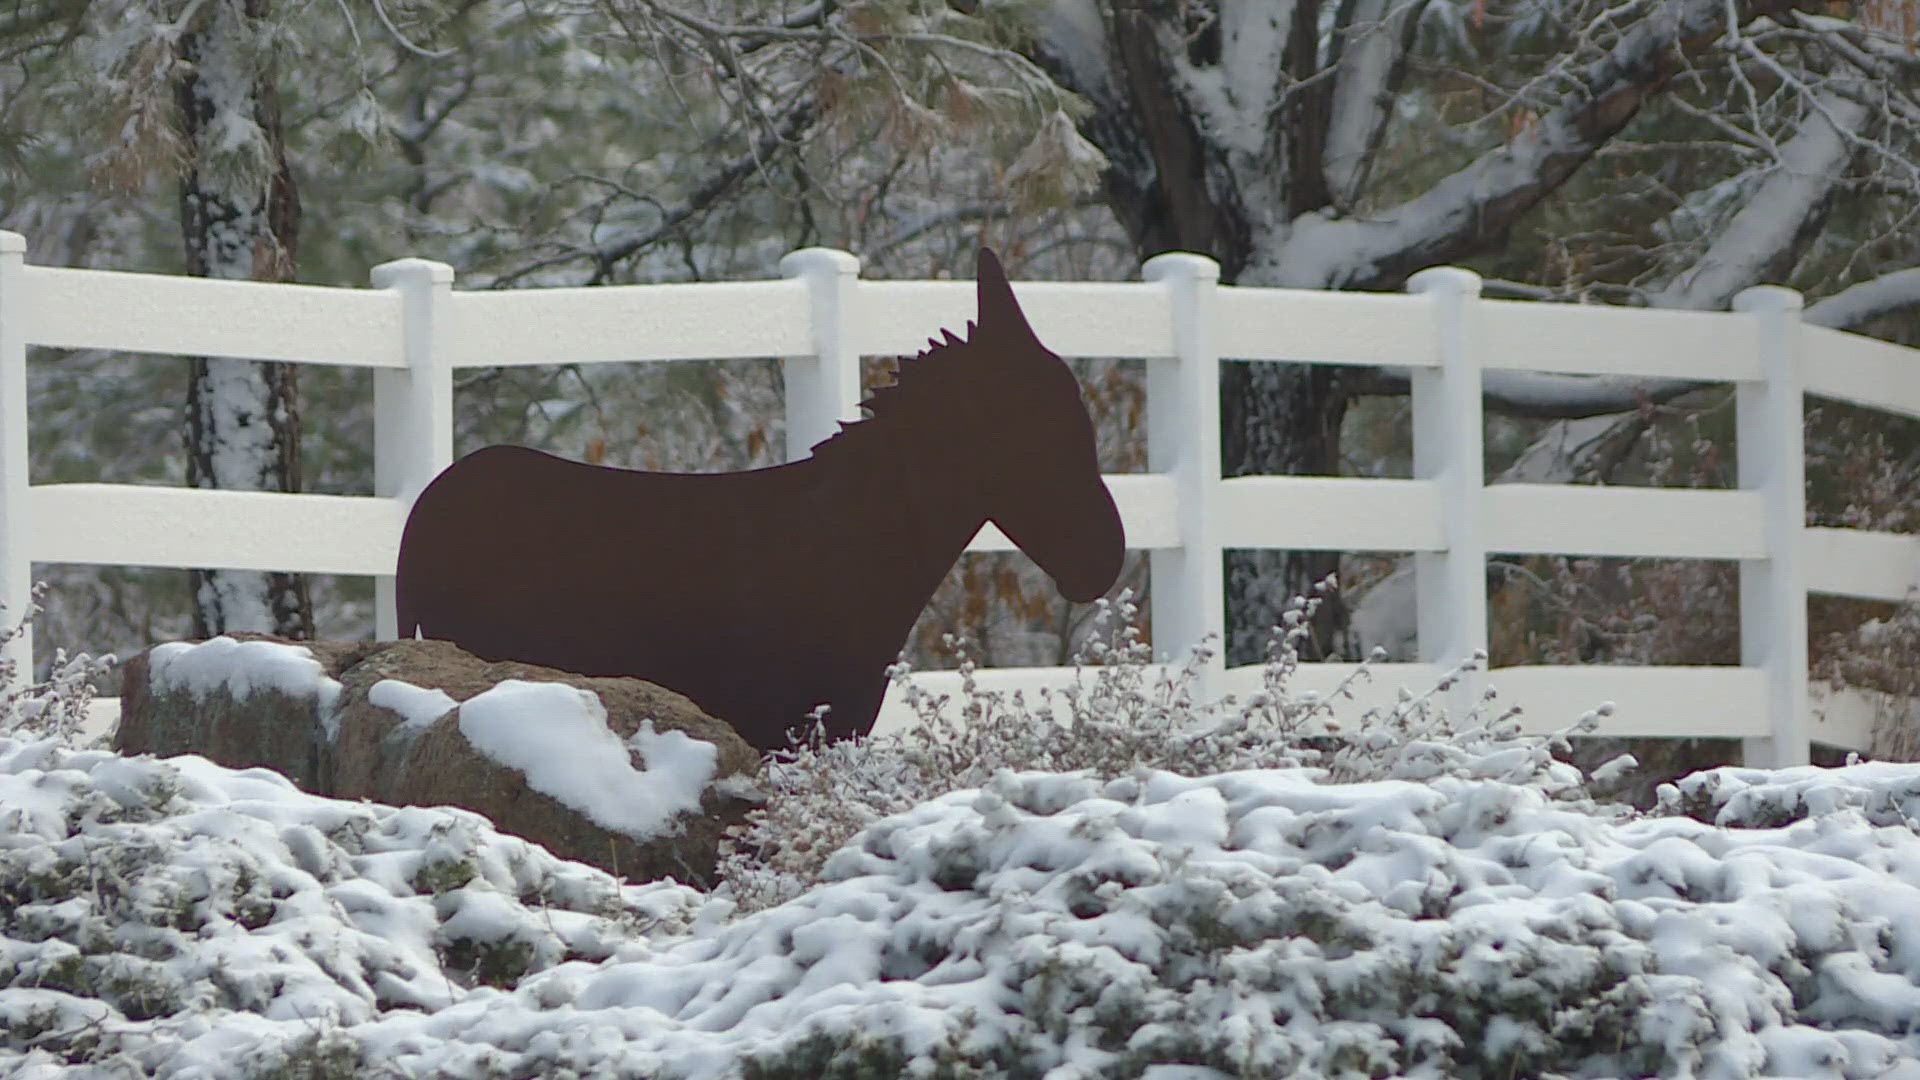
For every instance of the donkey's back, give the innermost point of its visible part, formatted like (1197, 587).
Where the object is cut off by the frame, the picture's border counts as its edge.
(694, 582)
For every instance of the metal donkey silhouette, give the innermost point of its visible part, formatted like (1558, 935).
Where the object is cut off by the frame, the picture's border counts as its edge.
(761, 595)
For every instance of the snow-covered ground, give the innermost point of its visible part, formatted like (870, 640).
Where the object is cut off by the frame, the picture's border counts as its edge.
(174, 918)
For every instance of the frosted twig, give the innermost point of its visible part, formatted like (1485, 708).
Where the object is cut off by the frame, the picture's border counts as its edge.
(380, 8)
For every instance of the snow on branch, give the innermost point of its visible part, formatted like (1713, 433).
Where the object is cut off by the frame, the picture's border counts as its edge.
(1370, 47)
(1484, 198)
(1253, 45)
(1073, 41)
(1234, 97)
(1867, 300)
(1544, 395)
(1201, 91)
(1878, 44)
(1765, 237)
(1761, 240)
(1550, 396)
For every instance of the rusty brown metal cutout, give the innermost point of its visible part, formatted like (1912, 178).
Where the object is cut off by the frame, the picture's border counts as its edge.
(761, 595)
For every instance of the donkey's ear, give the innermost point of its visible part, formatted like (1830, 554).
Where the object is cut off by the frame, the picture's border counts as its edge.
(1000, 314)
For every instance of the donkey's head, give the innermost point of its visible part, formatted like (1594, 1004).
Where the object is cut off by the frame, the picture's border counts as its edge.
(1043, 486)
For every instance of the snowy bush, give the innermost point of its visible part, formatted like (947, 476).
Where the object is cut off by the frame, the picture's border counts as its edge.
(180, 920)
(1121, 719)
(141, 901)
(56, 707)
(1456, 908)
(1253, 925)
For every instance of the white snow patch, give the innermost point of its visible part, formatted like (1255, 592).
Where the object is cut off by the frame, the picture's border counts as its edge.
(243, 668)
(558, 736)
(1855, 304)
(1254, 41)
(1076, 32)
(1778, 207)
(418, 707)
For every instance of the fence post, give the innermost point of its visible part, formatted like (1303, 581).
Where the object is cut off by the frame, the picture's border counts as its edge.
(1771, 445)
(412, 409)
(823, 389)
(16, 524)
(1449, 449)
(1183, 440)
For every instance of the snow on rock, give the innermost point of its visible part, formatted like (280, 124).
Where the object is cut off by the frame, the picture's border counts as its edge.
(242, 668)
(181, 919)
(557, 736)
(1250, 924)
(418, 706)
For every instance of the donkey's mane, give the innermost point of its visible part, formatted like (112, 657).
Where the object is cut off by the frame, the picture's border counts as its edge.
(929, 376)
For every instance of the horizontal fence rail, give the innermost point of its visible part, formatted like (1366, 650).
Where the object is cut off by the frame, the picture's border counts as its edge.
(415, 330)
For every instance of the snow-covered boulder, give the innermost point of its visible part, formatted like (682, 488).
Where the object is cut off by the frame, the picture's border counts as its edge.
(619, 773)
(244, 701)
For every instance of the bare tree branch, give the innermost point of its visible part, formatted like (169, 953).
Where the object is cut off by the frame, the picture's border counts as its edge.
(1881, 46)
(793, 123)
(1547, 396)
(1763, 239)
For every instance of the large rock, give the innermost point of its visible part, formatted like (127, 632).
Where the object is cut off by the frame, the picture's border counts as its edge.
(245, 702)
(618, 773)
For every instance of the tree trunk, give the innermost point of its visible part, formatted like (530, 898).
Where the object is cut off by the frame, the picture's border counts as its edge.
(1178, 183)
(1249, 132)
(1280, 419)
(239, 218)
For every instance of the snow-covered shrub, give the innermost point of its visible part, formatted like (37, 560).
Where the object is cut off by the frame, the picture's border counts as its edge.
(1125, 716)
(1266, 924)
(57, 707)
(188, 922)
(142, 900)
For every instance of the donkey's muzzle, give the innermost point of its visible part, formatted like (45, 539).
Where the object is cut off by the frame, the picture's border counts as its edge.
(1094, 565)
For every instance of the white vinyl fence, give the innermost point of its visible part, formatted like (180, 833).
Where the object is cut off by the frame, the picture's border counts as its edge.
(415, 330)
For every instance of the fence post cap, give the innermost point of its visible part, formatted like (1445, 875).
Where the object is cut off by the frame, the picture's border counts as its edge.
(1456, 280)
(1769, 298)
(389, 274)
(12, 243)
(1180, 266)
(807, 262)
